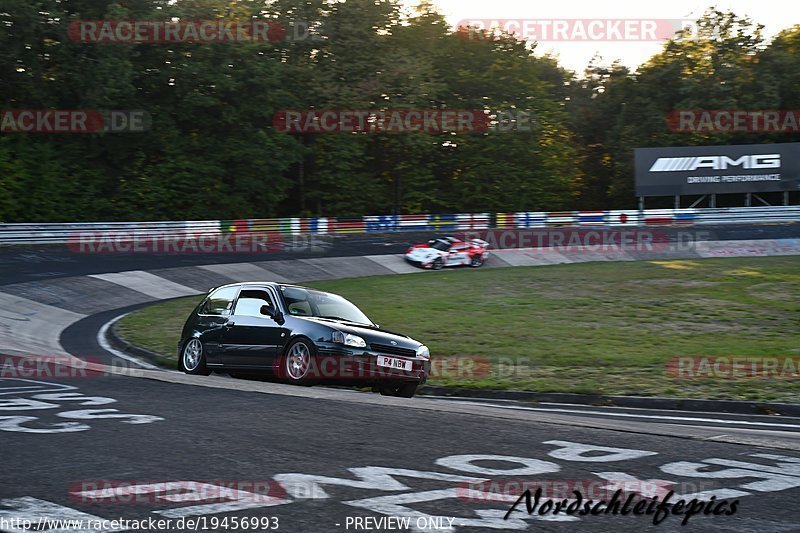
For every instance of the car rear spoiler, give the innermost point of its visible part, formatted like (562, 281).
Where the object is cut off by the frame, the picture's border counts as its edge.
(479, 242)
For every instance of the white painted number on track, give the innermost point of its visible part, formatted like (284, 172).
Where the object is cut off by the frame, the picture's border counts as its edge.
(30, 395)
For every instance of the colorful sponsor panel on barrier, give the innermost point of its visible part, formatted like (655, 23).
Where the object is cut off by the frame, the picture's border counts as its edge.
(476, 221)
(591, 218)
(531, 219)
(77, 233)
(623, 218)
(346, 225)
(561, 218)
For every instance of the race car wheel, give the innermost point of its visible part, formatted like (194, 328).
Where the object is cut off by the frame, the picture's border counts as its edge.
(404, 390)
(477, 260)
(298, 363)
(193, 358)
(437, 263)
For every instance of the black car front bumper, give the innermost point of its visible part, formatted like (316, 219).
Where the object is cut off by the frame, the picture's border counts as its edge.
(335, 363)
(418, 264)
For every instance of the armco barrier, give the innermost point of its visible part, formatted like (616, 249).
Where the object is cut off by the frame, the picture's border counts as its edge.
(60, 233)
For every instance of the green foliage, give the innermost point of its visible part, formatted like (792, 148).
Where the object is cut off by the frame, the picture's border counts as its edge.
(724, 65)
(212, 151)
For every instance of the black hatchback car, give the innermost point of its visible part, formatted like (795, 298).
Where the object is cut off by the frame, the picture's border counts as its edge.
(301, 335)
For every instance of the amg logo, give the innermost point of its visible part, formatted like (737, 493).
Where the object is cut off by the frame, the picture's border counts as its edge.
(716, 162)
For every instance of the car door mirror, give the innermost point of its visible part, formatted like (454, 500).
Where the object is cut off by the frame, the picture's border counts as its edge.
(273, 313)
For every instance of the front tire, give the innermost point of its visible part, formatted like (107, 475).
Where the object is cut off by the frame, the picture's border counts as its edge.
(193, 358)
(403, 390)
(438, 264)
(297, 363)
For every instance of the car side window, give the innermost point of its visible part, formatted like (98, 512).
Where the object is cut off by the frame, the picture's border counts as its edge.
(220, 302)
(297, 301)
(250, 302)
(302, 308)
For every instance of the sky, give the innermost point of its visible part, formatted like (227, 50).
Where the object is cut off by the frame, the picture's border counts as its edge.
(775, 15)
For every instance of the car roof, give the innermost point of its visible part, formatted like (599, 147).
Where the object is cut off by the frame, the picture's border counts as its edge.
(259, 284)
(448, 240)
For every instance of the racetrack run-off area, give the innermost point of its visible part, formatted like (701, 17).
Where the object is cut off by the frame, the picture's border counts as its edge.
(596, 328)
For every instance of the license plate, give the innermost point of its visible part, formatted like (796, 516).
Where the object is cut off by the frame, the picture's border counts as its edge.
(393, 362)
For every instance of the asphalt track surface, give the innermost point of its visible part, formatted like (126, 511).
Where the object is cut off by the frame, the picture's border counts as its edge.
(326, 460)
(331, 450)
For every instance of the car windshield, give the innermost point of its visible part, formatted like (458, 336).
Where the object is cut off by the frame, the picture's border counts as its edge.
(440, 245)
(307, 302)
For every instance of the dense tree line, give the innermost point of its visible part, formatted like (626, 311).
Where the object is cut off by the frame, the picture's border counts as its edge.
(212, 150)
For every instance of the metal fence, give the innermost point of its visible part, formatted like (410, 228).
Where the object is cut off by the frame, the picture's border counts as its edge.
(65, 233)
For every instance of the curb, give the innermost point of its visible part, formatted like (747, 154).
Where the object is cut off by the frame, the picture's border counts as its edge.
(117, 342)
(640, 402)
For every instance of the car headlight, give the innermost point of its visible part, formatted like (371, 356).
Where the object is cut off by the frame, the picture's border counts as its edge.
(423, 352)
(349, 339)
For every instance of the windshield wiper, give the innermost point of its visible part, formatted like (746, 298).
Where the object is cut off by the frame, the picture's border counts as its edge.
(330, 317)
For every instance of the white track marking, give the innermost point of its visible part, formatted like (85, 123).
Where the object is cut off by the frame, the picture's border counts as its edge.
(530, 467)
(776, 457)
(101, 340)
(600, 410)
(17, 386)
(577, 451)
(147, 283)
(244, 271)
(653, 417)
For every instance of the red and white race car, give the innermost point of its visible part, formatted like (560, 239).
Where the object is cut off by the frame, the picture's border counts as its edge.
(448, 251)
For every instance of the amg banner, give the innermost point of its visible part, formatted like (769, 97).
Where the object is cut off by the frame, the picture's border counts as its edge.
(739, 168)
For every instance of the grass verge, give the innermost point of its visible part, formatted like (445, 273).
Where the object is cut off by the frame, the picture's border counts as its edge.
(604, 328)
